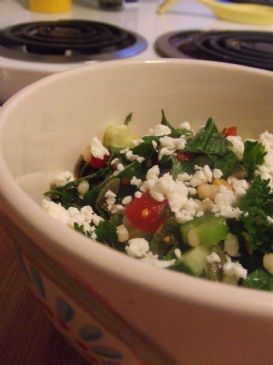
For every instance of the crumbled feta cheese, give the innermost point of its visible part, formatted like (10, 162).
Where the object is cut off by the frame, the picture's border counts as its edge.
(62, 179)
(169, 145)
(237, 146)
(175, 191)
(239, 186)
(137, 247)
(269, 220)
(173, 143)
(57, 211)
(151, 178)
(184, 177)
(164, 152)
(217, 174)
(138, 194)
(84, 217)
(120, 167)
(110, 199)
(97, 149)
(213, 258)
(234, 269)
(130, 156)
(126, 200)
(201, 176)
(185, 125)
(115, 161)
(231, 245)
(160, 130)
(136, 182)
(97, 219)
(153, 260)
(154, 144)
(224, 202)
(122, 233)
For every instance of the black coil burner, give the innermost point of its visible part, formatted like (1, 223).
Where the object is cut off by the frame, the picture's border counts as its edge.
(248, 48)
(69, 41)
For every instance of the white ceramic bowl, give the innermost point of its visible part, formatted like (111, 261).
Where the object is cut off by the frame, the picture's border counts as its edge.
(115, 309)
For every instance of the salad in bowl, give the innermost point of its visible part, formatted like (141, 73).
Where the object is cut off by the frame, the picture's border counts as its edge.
(196, 202)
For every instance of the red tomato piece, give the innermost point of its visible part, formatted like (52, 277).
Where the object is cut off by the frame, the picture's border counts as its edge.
(98, 163)
(183, 156)
(145, 213)
(230, 131)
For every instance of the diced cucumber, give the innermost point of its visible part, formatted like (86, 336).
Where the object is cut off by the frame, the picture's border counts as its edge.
(117, 136)
(192, 262)
(207, 231)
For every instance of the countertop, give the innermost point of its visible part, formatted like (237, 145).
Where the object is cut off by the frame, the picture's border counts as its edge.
(26, 334)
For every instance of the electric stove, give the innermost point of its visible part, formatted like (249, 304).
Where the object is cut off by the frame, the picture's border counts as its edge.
(34, 45)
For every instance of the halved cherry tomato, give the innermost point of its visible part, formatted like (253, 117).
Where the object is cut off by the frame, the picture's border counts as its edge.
(230, 131)
(145, 213)
(98, 163)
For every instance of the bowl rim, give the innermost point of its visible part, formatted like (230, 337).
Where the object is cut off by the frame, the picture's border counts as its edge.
(41, 228)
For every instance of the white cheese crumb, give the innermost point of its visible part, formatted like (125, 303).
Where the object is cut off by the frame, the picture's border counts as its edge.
(153, 260)
(136, 182)
(213, 258)
(237, 146)
(120, 167)
(126, 200)
(122, 233)
(224, 202)
(185, 125)
(62, 179)
(115, 161)
(201, 176)
(57, 211)
(137, 247)
(97, 149)
(217, 174)
(239, 186)
(269, 220)
(160, 130)
(234, 269)
(138, 194)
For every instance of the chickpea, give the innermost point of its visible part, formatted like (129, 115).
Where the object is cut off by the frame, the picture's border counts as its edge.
(207, 191)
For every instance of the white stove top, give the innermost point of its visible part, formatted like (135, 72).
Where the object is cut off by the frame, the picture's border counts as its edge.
(142, 19)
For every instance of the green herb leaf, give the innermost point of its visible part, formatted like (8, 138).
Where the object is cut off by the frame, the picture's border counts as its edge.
(128, 119)
(259, 279)
(258, 205)
(227, 163)
(208, 141)
(254, 154)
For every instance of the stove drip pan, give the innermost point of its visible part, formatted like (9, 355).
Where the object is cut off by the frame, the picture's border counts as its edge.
(69, 41)
(250, 48)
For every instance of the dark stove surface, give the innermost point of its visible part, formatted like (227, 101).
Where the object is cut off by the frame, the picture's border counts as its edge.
(69, 41)
(250, 48)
